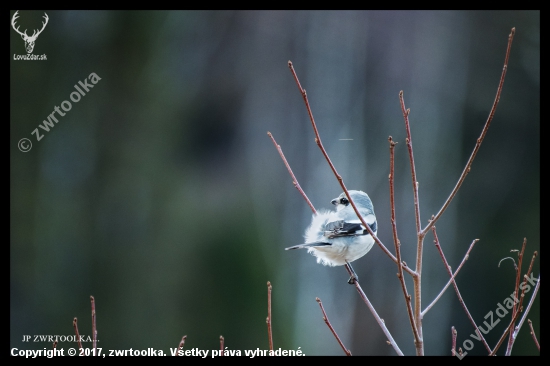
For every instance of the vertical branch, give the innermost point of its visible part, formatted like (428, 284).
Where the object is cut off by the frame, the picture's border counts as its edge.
(294, 180)
(221, 345)
(462, 303)
(479, 140)
(417, 280)
(94, 329)
(533, 296)
(268, 320)
(55, 344)
(516, 291)
(75, 326)
(533, 334)
(453, 335)
(406, 113)
(508, 329)
(182, 343)
(397, 243)
(327, 322)
(338, 176)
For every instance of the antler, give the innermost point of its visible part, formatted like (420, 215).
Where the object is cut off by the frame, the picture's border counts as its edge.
(43, 26)
(15, 16)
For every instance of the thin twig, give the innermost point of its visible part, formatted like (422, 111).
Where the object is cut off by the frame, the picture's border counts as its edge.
(526, 277)
(379, 320)
(453, 346)
(417, 282)
(452, 280)
(294, 180)
(221, 345)
(516, 292)
(462, 303)
(406, 113)
(75, 326)
(397, 243)
(268, 320)
(338, 176)
(479, 140)
(325, 318)
(182, 343)
(533, 296)
(508, 329)
(533, 334)
(94, 329)
(55, 344)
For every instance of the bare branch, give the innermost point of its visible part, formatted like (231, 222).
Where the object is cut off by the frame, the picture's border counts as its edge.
(379, 320)
(338, 176)
(182, 343)
(508, 328)
(516, 292)
(75, 326)
(268, 320)
(406, 113)
(462, 303)
(533, 296)
(356, 282)
(533, 334)
(479, 140)
(94, 328)
(325, 318)
(453, 335)
(397, 243)
(452, 280)
(221, 345)
(294, 180)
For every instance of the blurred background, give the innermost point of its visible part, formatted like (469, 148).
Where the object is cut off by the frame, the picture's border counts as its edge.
(160, 193)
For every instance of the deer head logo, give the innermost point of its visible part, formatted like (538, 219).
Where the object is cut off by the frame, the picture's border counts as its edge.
(29, 41)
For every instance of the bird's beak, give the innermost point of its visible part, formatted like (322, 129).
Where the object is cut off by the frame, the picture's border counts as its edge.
(334, 202)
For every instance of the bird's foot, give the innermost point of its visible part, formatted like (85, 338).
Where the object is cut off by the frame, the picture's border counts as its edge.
(352, 279)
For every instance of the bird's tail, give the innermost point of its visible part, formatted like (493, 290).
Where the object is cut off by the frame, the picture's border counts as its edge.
(301, 246)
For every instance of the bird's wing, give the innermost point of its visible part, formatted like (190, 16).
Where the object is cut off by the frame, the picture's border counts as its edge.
(343, 228)
(316, 244)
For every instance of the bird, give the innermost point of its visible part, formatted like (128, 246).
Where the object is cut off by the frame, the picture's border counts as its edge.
(338, 237)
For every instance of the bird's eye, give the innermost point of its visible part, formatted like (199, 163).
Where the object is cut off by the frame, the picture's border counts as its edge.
(344, 201)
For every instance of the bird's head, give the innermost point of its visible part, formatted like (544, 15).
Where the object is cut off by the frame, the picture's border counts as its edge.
(360, 198)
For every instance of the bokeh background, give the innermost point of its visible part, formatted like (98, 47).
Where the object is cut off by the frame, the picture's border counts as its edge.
(160, 193)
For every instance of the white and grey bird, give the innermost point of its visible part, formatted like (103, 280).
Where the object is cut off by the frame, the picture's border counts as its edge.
(338, 237)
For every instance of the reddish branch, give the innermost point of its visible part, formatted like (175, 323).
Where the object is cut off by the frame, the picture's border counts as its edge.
(338, 176)
(508, 329)
(268, 320)
(479, 140)
(221, 345)
(325, 318)
(356, 283)
(452, 280)
(453, 335)
(420, 238)
(75, 326)
(518, 327)
(294, 180)
(397, 243)
(462, 303)
(512, 338)
(516, 290)
(182, 343)
(94, 329)
(533, 334)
